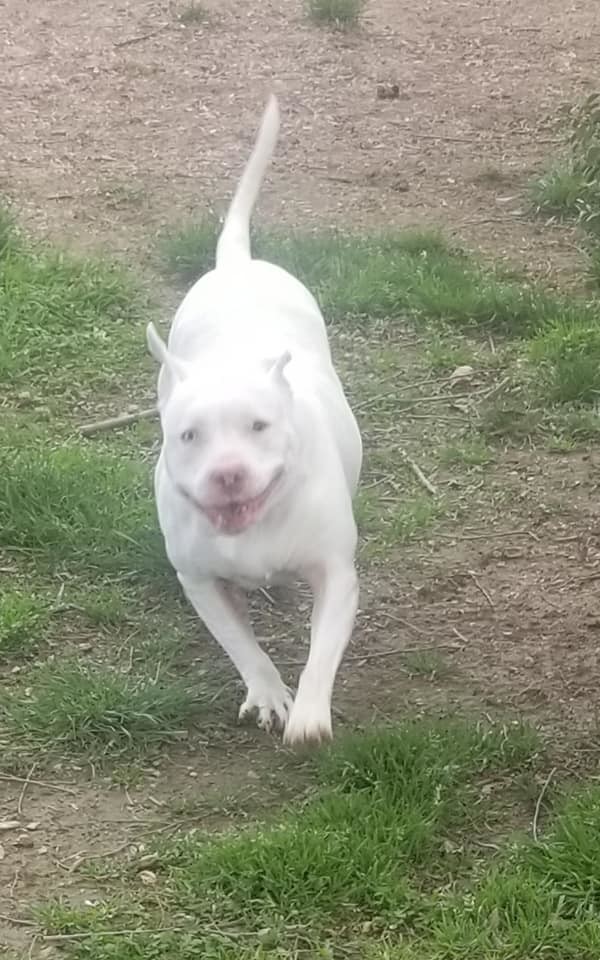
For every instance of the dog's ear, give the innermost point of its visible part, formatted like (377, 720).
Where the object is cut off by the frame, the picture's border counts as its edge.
(276, 366)
(159, 351)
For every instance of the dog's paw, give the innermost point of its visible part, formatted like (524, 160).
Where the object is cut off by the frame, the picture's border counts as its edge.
(309, 723)
(271, 701)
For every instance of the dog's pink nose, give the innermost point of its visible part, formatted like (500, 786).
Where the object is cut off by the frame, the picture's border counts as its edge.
(229, 479)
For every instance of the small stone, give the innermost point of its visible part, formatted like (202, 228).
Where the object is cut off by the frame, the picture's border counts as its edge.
(462, 373)
(34, 825)
(148, 877)
(9, 824)
(388, 91)
(24, 840)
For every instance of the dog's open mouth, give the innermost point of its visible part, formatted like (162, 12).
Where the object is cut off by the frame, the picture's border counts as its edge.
(236, 516)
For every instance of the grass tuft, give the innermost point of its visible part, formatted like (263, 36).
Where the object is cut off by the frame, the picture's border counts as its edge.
(340, 13)
(22, 621)
(95, 710)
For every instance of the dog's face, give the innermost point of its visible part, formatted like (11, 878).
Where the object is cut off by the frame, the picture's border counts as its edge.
(228, 437)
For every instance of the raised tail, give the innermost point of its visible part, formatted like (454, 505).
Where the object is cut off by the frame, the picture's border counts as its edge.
(234, 241)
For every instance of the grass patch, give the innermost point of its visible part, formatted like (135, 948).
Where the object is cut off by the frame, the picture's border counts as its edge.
(369, 848)
(414, 273)
(567, 355)
(96, 711)
(339, 13)
(384, 524)
(23, 618)
(571, 189)
(73, 506)
(68, 325)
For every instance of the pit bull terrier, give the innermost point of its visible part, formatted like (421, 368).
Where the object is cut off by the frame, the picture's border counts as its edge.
(260, 459)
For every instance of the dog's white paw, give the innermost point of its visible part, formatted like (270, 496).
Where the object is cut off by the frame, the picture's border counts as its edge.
(272, 702)
(309, 722)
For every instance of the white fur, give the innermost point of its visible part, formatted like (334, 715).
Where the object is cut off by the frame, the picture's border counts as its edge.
(250, 402)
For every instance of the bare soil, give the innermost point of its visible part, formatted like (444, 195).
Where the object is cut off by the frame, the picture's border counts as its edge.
(119, 120)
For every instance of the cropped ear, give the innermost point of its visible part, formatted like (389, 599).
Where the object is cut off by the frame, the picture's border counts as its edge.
(160, 352)
(275, 367)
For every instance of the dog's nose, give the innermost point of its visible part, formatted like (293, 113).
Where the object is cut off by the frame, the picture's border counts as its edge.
(230, 478)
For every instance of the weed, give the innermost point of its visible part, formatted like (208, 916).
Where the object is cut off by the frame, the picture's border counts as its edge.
(426, 663)
(340, 13)
(22, 621)
(469, 453)
(567, 355)
(193, 13)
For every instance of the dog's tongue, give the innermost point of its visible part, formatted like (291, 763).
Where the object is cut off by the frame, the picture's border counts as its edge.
(233, 517)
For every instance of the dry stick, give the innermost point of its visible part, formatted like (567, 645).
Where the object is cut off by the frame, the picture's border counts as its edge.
(481, 589)
(419, 473)
(538, 805)
(8, 778)
(17, 921)
(65, 937)
(140, 37)
(87, 429)
(24, 790)
(487, 536)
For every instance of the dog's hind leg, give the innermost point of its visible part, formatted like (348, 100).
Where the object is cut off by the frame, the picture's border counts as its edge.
(220, 610)
(335, 590)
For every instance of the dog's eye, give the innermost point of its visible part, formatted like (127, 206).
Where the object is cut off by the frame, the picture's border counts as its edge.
(259, 425)
(188, 436)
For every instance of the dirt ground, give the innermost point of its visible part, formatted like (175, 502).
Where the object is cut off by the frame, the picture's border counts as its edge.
(121, 120)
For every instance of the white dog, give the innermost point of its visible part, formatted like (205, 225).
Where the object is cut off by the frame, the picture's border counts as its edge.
(260, 459)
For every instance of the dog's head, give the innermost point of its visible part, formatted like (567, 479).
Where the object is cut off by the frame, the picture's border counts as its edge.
(228, 435)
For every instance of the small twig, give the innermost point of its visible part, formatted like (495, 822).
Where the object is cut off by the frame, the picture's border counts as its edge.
(65, 937)
(140, 37)
(24, 790)
(482, 589)
(495, 389)
(487, 536)
(87, 429)
(419, 473)
(17, 921)
(37, 783)
(460, 635)
(538, 805)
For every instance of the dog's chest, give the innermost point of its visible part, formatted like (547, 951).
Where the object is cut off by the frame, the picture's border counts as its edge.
(250, 562)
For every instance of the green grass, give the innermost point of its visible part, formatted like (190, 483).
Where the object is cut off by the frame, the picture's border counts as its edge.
(341, 13)
(571, 188)
(369, 849)
(94, 710)
(409, 274)
(70, 326)
(73, 506)
(383, 862)
(23, 618)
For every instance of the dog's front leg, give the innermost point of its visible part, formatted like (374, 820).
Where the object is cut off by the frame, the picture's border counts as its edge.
(224, 613)
(335, 591)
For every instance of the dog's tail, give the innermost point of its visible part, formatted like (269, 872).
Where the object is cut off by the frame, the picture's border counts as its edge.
(234, 241)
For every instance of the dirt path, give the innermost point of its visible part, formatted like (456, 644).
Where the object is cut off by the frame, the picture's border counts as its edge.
(118, 122)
